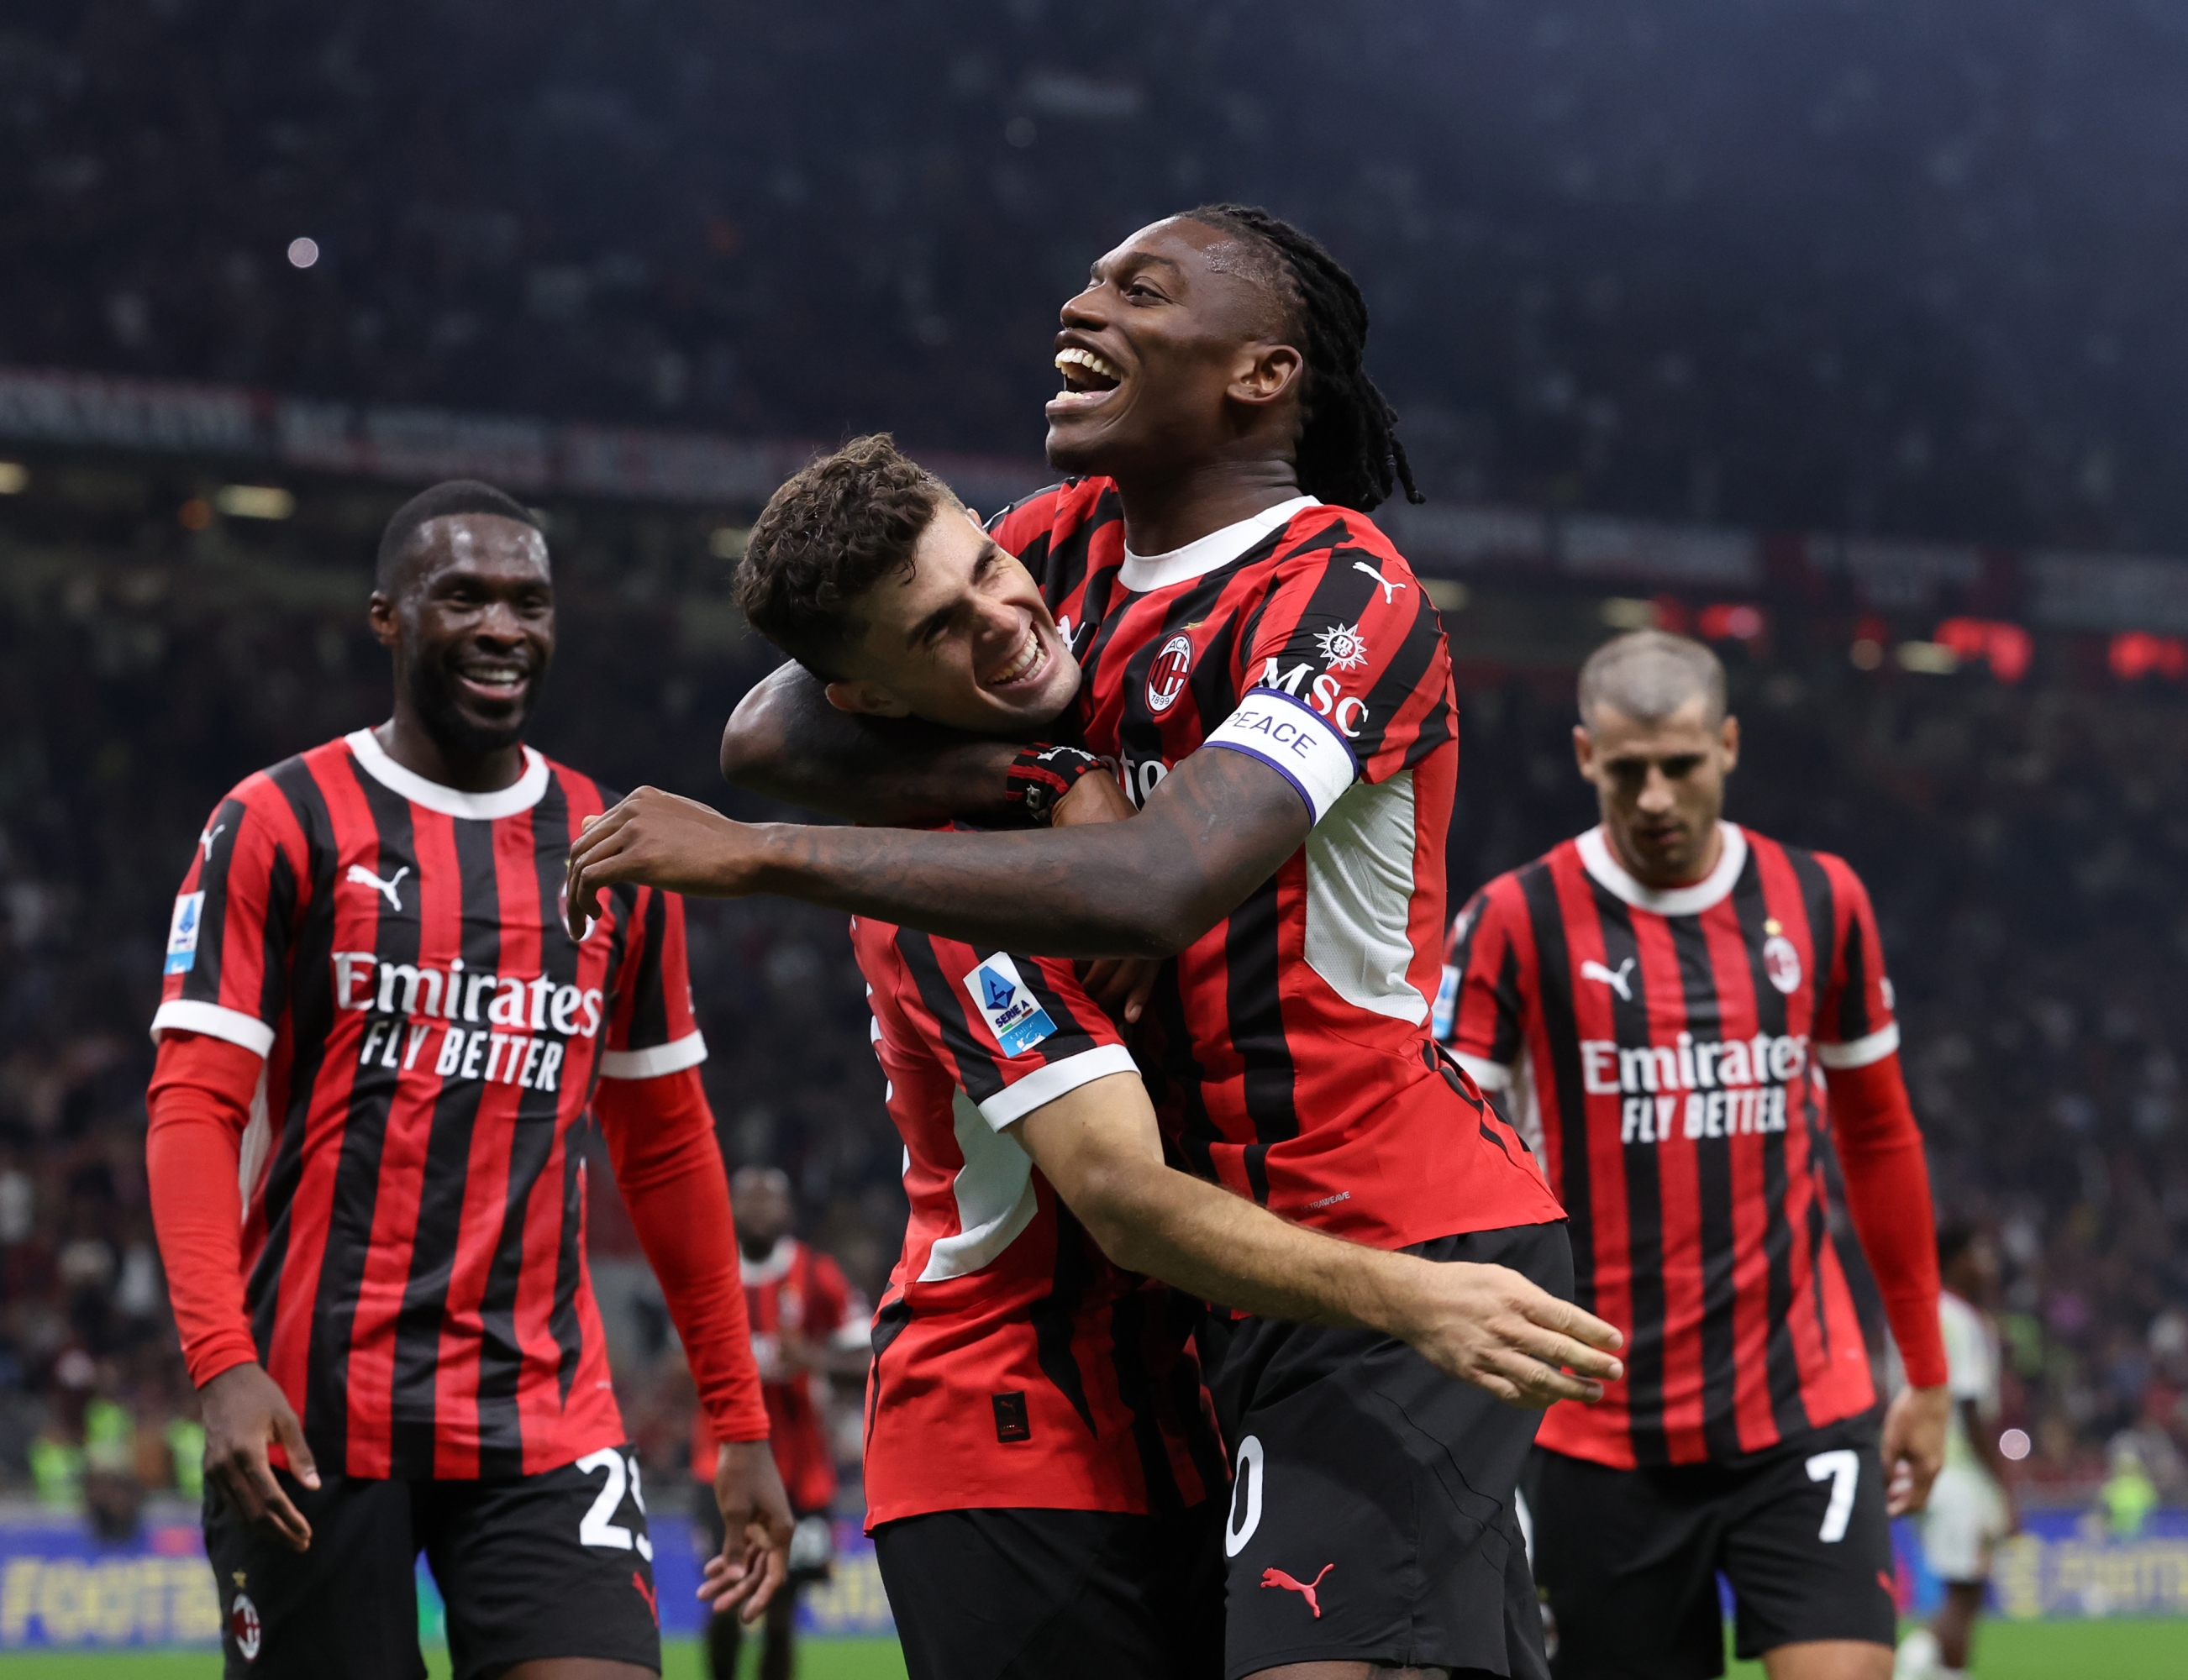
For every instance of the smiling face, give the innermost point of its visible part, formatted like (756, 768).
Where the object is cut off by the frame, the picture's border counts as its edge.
(1178, 350)
(472, 621)
(962, 638)
(1660, 785)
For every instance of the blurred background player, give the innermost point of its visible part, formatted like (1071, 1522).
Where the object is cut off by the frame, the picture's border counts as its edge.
(375, 1023)
(1656, 998)
(1971, 1507)
(807, 1322)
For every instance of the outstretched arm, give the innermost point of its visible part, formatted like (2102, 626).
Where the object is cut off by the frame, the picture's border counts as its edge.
(1484, 1324)
(785, 741)
(1209, 834)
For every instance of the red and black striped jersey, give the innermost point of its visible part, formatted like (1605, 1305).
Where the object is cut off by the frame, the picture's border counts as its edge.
(1289, 1051)
(797, 1293)
(414, 1196)
(1664, 1047)
(1013, 1364)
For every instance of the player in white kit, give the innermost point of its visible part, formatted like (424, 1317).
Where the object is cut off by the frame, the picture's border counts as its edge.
(1970, 1508)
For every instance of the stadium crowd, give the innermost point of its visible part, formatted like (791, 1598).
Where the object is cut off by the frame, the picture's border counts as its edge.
(2021, 843)
(1825, 265)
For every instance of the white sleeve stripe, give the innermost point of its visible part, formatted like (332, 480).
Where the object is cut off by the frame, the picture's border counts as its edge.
(1861, 1052)
(215, 1021)
(1269, 724)
(651, 1064)
(1041, 1087)
(1489, 1076)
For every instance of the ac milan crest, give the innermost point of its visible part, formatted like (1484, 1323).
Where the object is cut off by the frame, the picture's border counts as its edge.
(1166, 674)
(1782, 963)
(243, 1623)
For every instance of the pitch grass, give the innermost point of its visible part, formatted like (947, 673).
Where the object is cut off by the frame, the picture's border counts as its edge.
(2024, 1650)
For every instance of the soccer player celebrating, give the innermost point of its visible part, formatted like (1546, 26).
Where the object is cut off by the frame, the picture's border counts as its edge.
(377, 1041)
(1970, 1506)
(1661, 999)
(1261, 671)
(806, 1320)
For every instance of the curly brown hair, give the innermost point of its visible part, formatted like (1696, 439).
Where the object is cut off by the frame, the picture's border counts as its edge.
(827, 535)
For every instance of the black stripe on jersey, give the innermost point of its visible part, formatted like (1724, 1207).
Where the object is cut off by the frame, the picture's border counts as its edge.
(1819, 900)
(888, 1324)
(201, 981)
(1856, 962)
(1509, 1039)
(1051, 1315)
(1139, 731)
(1720, 1350)
(1174, 1075)
(1782, 1361)
(311, 1020)
(649, 1009)
(531, 1146)
(1182, 1320)
(419, 1321)
(1127, 1331)
(1538, 892)
(1641, 1168)
(364, 1135)
(1253, 1003)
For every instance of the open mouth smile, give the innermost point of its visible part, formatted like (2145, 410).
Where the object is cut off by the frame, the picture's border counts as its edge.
(497, 681)
(1087, 379)
(1027, 665)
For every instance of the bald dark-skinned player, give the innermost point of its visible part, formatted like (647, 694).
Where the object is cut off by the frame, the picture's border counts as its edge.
(1262, 674)
(377, 1043)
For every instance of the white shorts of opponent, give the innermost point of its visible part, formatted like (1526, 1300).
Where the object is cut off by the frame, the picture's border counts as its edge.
(1965, 1519)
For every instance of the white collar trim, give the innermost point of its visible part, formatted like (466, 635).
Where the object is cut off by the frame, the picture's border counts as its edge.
(1143, 572)
(1596, 858)
(521, 795)
(776, 1267)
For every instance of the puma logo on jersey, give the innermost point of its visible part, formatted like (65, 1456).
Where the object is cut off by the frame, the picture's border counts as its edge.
(1304, 1589)
(1390, 589)
(206, 837)
(1619, 982)
(365, 877)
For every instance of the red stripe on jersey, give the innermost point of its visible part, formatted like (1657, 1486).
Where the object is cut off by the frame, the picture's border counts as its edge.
(1287, 1048)
(1670, 1044)
(413, 1231)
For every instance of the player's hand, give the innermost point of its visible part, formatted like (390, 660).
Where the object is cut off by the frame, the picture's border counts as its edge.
(1489, 1325)
(245, 1412)
(755, 1555)
(658, 840)
(1913, 1446)
(1120, 984)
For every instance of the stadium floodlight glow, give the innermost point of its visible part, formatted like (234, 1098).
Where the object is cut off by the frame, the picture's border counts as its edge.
(727, 542)
(254, 501)
(302, 253)
(2015, 1445)
(1932, 659)
(15, 478)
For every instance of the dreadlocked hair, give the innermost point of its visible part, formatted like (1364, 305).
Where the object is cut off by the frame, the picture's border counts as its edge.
(1349, 452)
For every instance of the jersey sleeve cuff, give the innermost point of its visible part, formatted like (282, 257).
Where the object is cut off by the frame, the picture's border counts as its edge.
(1044, 1085)
(654, 1061)
(1489, 1076)
(1861, 1052)
(215, 1021)
(1294, 741)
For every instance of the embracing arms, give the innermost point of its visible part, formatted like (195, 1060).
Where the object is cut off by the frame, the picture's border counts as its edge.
(1210, 833)
(1487, 1325)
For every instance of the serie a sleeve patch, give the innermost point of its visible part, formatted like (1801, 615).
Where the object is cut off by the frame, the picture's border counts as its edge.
(1294, 740)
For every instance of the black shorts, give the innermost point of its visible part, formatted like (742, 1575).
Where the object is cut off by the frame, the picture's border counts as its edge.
(557, 1565)
(1024, 1594)
(1374, 1511)
(1628, 1560)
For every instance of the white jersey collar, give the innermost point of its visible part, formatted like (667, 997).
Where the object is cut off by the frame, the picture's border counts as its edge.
(1603, 867)
(521, 795)
(775, 1268)
(1143, 572)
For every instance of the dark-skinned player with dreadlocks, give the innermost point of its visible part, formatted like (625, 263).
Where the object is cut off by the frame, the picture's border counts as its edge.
(1263, 675)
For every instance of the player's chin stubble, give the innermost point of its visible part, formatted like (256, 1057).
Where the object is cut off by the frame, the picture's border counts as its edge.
(433, 693)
